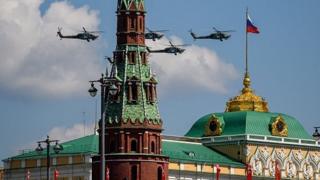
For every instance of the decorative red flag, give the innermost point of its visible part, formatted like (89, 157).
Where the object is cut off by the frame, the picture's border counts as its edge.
(218, 171)
(277, 173)
(56, 174)
(28, 175)
(107, 173)
(249, 172)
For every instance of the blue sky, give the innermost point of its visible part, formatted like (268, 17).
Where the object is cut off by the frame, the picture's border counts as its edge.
(283, 61)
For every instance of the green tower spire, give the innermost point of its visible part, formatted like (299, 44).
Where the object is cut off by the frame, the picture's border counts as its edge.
(136, 100)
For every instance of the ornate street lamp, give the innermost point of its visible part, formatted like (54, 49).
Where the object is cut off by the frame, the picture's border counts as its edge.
(93, 91)
(316, 134)
(57, 148)
(106, 84)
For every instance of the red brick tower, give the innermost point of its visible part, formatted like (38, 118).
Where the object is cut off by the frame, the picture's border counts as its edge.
(133, 124)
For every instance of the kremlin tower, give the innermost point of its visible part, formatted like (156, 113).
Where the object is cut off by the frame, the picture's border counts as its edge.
(132, 121)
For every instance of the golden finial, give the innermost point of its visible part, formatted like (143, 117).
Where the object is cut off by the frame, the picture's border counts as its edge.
(247, 100)
(246, 83)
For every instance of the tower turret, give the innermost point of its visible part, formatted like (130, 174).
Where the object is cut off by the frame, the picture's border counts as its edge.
(133, 124)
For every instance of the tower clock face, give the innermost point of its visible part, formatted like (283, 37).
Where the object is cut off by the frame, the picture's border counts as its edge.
(213, 126)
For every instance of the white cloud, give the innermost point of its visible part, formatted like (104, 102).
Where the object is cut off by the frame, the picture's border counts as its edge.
(197, 68)
(33, 60)
(76, 131)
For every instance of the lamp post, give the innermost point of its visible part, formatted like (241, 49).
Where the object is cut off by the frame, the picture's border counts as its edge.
(57, 148)
(316, 134)
(107, 87)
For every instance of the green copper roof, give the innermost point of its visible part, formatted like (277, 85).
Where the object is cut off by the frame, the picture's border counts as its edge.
(249, 122)
(85, 145)
(181, 151)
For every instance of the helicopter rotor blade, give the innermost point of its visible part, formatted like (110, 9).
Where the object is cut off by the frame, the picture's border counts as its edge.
(215, 29)
(228, 31)
(95, 31)
(149, 30)
(152, 31)
(161, 31)
(84, 29)
(182, 45)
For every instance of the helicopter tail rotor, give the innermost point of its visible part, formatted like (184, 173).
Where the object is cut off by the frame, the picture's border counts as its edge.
(59, 33)
(194, 36)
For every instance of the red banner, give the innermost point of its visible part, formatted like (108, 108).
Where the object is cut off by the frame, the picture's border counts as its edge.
(107, 173)
(249, 172)
(218, 171)
(163, 176)
(277, 174)
(56, 174)
(28, 175)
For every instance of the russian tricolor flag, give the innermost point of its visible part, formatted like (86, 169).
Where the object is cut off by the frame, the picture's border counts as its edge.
(250, 27)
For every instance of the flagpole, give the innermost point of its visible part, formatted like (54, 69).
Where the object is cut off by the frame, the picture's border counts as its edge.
(246, 53)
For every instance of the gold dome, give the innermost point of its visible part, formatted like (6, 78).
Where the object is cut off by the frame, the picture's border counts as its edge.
(247, 100)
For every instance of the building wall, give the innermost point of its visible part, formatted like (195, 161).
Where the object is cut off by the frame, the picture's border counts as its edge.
(190, 175)
(295, 162)
(76, 167)
(1, 173)
(202, 171)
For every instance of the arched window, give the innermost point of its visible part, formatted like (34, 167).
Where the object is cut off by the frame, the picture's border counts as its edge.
(131, 57)
(134, 172)
(141, 23)
(134, 145)
(151, 92)
(143, 58)
(153, 148)
(132, 22)
(159, 173)
(133, 91)
(112, 146)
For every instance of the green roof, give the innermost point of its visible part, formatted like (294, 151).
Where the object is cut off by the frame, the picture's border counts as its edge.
(84, 145)
(249, 122)
(182, 151)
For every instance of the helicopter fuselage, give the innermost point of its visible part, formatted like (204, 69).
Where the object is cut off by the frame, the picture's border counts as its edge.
(83, 36)
(220, 36)
(169, 50)
(153, 36)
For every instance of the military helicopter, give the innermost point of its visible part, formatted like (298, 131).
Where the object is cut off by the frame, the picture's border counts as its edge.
(154, 35)
(85, 35)
(172, 49)
(220, 35)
